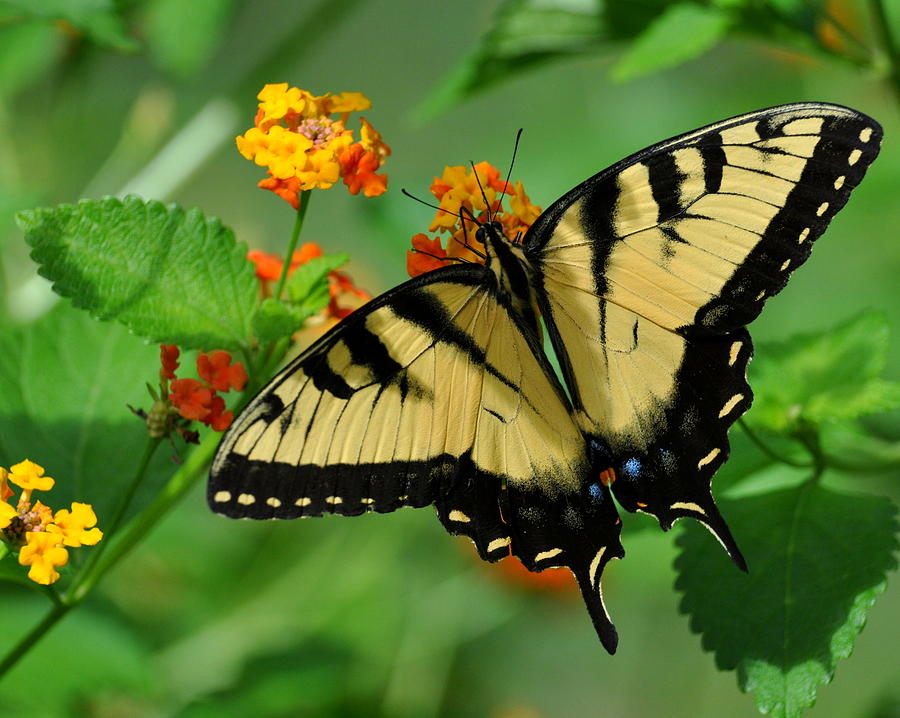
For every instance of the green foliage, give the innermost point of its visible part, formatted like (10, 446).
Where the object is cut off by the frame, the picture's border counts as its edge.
(183, 35)
(98, 19)
(307, 294)
(662, 34)
(821, 377)
(96, 653)
(817, 561)
(66, 382)
(27, 51)
(681, 33)
(524, 34)
(167, 274)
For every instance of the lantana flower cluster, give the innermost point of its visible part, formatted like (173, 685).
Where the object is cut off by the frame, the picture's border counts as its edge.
(344, 295)
(462, 188)
(198, 399)
(303, 141)
(41, 535)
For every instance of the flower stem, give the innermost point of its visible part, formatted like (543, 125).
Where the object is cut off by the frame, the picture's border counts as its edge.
(149, 449)
(292, 244)
(182, 481)
(883, 30)
(29, 640)
(113, 526)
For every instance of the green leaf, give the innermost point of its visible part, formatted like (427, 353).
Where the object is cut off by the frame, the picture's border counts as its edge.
(275, 320)
(27, 51)
(183, 35)
(817, 561)
(524, 34)
(99, 19)
(308, 283)
(167, 274)
(92, 653)
(683, 32)
(823, 376)
(66, 382)
(307, 294)
(12, 571)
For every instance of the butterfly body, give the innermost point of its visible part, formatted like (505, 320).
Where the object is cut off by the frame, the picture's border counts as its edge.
(644, 276)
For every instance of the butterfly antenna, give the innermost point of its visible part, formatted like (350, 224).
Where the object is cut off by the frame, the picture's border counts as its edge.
(422, 201)
(442, 259)
(483, 195)
(463, 212)
(512, 162)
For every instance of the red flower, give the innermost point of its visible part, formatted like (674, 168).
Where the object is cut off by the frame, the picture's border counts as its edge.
(197, 399)
(168, 355)
(217, 370)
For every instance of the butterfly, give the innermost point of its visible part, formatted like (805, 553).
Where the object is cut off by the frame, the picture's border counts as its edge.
(644, 277)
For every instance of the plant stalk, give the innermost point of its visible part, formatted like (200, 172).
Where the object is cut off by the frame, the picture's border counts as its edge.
(292, 243)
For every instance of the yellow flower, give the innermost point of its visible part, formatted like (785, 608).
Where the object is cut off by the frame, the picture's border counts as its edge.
(73, 525)
(304, 148)
(43, 553)
(5, 491)
(7, 514)
(30, 476)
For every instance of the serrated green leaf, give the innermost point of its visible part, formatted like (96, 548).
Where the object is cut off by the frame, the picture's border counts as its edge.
(182, 35)
(817, 561)
(275, 320)
(169, 275)
(66, 382)
(683, 32)
(823, 376)
(524, 34)
(99, 19)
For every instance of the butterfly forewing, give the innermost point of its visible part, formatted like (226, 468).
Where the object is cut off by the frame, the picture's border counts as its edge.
(432, 393)
(649, 270)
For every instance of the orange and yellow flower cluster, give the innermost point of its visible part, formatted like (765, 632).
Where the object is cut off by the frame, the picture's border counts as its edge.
(459, 190)
(304, 146)
(40, 534)
(198, 400)
(345, 296)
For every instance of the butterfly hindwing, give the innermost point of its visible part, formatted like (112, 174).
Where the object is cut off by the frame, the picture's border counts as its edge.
(432, 393)
(650, 269)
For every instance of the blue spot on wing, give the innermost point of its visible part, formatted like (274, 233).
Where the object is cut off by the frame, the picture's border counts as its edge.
(596, 491)
(631, 468)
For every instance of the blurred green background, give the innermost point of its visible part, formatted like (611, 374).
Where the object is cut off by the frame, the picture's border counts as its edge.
(387, 616)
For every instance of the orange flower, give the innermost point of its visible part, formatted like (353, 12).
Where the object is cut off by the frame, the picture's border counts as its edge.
(358, 168)
(425, 255)
(217, 370)
(460, 191)
(304, 147)
(197, 400)
(346, 297)
(168, 356)
(191, 398)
